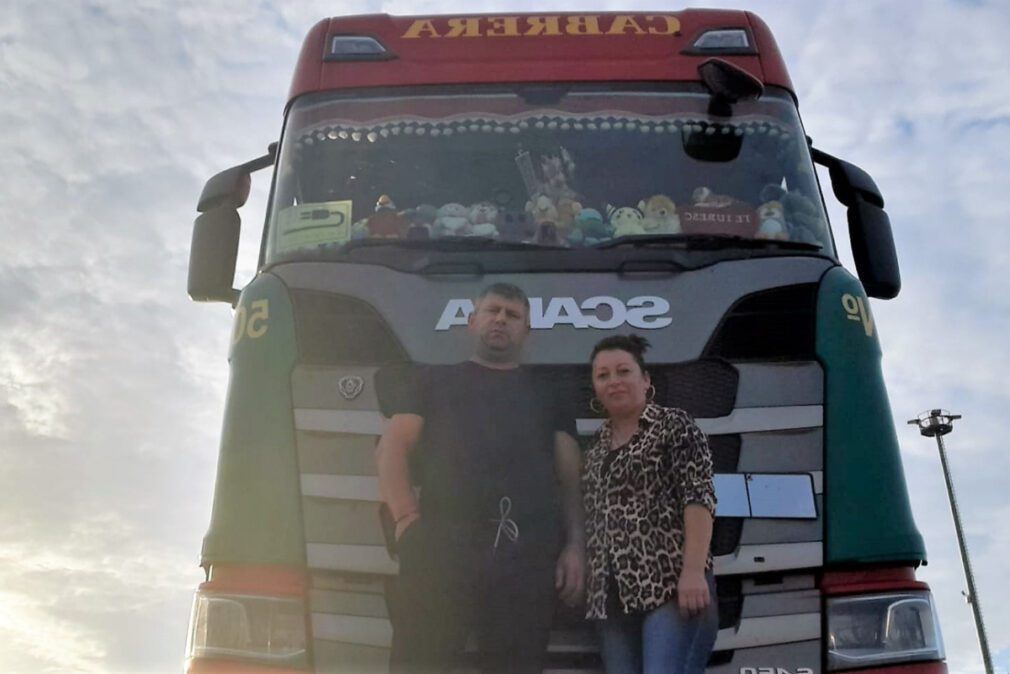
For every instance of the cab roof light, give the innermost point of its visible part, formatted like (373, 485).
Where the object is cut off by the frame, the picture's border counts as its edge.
(723, 41)
(356, 48)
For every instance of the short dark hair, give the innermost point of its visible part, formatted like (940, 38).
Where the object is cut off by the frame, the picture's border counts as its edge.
(506, 290)
(633, 344)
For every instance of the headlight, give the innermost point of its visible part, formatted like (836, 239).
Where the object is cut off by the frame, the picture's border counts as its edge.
(246, 626)
(868, 630)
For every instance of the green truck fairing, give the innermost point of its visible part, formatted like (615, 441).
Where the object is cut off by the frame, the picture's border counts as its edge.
(868, 516)
(257, 502)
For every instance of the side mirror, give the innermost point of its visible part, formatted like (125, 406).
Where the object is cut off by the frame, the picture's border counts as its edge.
(869, 227)
(214, 249)
(213, 254)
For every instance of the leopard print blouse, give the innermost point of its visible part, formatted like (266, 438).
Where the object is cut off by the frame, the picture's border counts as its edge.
(635, 509)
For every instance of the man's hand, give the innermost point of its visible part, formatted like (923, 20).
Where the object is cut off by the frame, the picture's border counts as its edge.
(405, 522)
(570, 574)
(692, 593)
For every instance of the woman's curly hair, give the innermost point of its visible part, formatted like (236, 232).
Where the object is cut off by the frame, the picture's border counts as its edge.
(633, 344)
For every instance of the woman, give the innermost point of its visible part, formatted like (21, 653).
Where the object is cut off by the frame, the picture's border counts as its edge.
(650, 501)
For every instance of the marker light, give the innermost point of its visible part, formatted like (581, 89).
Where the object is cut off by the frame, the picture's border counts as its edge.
(356, 48)
(882, 629)
(730, 39)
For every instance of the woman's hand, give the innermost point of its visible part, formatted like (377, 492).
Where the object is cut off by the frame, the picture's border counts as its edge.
(692, 593)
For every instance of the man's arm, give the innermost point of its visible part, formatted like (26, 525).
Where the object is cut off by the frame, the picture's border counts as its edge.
(570, 572)
(568, 463)
(392, 460)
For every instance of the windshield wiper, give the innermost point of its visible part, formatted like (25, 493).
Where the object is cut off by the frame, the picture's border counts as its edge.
(447, 243)
(705, 242)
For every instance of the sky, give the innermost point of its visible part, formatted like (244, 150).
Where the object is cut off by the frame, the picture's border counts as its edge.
(114, 113)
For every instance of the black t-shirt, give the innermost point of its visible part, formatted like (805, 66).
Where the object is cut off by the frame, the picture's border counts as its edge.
(488, 434)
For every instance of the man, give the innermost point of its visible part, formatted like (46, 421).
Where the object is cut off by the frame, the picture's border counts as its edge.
(497, 534)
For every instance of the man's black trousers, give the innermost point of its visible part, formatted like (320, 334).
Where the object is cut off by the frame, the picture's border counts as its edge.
(456, 588)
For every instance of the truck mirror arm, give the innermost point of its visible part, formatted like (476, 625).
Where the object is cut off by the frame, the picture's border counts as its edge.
(214, 250)
(231, 186)
(848, 181)
(869, 227)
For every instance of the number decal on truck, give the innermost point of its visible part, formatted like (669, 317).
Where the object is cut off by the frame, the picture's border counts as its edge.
(251, 323)
(856, 310)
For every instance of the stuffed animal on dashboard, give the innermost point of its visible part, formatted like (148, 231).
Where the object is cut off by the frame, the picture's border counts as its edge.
(452, 219)
(704, 197)
(483, 219)
(422, 221)
(625, 221)
(772, 222)
(804, 218)
(568, 210)
(542, 209)
(385, 222)
(801, 216)
(590, 228)
(659, 215)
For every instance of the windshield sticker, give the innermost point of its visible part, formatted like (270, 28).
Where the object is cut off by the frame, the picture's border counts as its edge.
(311, 225)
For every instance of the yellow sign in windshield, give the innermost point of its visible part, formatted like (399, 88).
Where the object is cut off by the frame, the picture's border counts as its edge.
(311, 225)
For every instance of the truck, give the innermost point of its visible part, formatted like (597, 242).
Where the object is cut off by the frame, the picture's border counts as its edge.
(638, 173)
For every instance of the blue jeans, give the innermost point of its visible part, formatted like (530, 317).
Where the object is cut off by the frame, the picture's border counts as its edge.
(659, 641)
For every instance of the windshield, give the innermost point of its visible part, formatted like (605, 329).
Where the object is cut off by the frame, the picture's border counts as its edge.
(542, 167)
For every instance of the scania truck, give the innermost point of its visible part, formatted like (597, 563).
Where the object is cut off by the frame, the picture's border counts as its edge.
(638, 173)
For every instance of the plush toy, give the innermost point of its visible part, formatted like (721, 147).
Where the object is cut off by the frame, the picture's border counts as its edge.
(589, 228)
(772, 219)
(542, 209)
(452, 219)
(660, 215)
(704, 197)
(568, 209)
(625, 221)
(771, 192)
(483, 219)
(422, 221)
(803, 218)
(385, 222)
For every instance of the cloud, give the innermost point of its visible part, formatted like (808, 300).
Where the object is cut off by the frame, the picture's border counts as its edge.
(102, 568)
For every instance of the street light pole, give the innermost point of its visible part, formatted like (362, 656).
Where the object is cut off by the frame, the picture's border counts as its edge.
(936, 424)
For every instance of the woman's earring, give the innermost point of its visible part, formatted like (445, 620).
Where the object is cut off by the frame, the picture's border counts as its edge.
(595, 405)
(650, 393)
